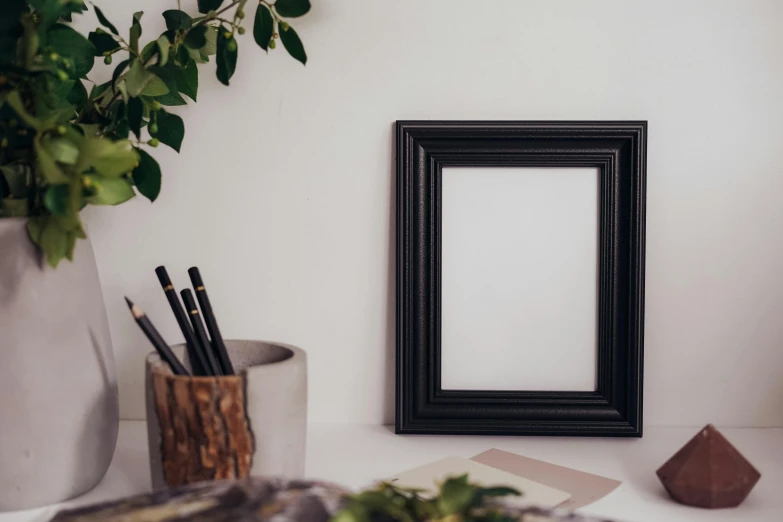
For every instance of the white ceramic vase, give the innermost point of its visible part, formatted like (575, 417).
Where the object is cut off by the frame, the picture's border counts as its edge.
(59, 411)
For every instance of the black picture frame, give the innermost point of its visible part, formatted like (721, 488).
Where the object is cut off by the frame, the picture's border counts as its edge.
(618, 150)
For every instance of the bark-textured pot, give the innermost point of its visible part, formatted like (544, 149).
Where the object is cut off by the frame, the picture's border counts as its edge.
(251, 424)
(59, 410)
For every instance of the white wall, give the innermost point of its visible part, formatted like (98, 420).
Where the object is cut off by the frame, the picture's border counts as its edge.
(283, 192)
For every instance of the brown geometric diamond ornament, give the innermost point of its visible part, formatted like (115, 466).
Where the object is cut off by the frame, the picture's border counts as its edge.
(708, 472)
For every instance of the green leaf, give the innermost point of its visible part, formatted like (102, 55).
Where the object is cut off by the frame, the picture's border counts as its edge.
(118, 71)
(121, 130)
(355, 512)
(17, 176)
(104, 43)
(183, 55)
(110, 158)
(148, 51)
(177, 79)
(498, 491)
(163, 46)
(55, 235)
(48, 11)
(176, 19)
(293, 44)
(77, 95)
(109, 191)
(263, 27)
(46, 164)
(170, 99)
(35, 226)
(187, 80)
(56, 199)
(292, 8)
(89, 129)
(72, 45)
(204, 6)
(97, 90)
(62, 150)
(455, 495)
(10, 207)
(210, 47)
(155, 87)
(14, 100)
(104, 21)
(135, 31)
(135, 112)
(136, 78)
(147, 176)
(55, 242)
(140, 81)
(227, 51)
(62, 89)
(171, 129)
(196, 37)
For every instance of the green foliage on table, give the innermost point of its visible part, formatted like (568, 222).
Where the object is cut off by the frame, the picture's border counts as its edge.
(63, 147)
(458, 500)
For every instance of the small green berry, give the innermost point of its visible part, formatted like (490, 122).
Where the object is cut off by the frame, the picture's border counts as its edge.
(61, 130)
(54, 57)
(153, 128)
(284, 26)
(227, 34)
(107, 60)
(241, 30)
(66, 63)
(272, 44)
(100, 31)
(240, 14)
(231, 45)
(154, 142)
(211, 13)
(62, 75)
(156, 105)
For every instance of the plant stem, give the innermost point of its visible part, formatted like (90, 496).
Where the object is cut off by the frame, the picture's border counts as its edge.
(227, 7)
(229, 22)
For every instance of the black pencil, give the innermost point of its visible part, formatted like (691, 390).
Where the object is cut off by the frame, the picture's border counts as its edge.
(197, 357)
(209, 317)
(198, 329)
(156, 339)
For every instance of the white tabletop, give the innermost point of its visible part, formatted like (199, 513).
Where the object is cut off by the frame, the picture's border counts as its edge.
(355, 455)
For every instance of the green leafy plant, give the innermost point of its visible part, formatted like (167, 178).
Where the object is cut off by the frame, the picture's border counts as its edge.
(458, 500)
(63, 147)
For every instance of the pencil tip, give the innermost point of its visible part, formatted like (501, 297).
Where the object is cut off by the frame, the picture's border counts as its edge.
(135, 310)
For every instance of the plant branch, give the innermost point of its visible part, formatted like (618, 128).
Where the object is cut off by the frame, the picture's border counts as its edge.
(229, 6)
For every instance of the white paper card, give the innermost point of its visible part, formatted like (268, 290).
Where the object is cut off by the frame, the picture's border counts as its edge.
(427, 477)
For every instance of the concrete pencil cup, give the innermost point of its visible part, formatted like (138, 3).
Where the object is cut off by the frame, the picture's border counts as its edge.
(209, 428)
